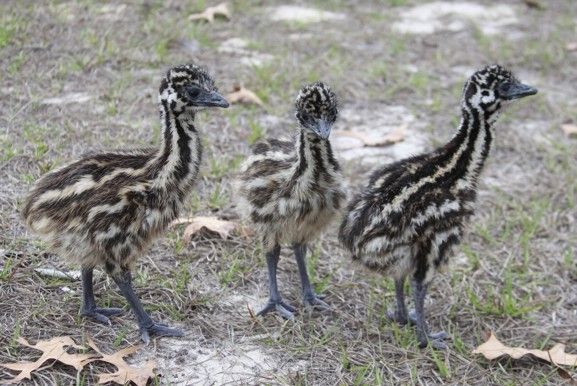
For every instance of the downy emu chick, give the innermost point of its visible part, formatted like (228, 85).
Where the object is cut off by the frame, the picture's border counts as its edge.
(106, 208)
(291, 190)
(412, 213)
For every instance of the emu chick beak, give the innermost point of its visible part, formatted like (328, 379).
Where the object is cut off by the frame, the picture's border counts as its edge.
(211, 99)
(323, 129)
(510, 91)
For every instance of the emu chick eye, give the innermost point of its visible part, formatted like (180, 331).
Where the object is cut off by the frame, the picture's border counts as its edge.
(485, 93)
(193, 91)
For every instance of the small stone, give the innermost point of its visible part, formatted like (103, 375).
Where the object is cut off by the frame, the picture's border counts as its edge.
(76, 97)
(303, 14)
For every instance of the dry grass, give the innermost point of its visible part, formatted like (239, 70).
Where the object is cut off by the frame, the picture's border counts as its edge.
(515, 274)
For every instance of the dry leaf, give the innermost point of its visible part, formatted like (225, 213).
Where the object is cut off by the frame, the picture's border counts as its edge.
(52, 349)
(57, 349)
(534, 4)
(246, 232)
(203, 225)
(569, 129)
(565, 375)
(397, 135)
(493, 349)
(70, 275)
(243, 95)
(125, 373)
(211, 12)
(572, 46)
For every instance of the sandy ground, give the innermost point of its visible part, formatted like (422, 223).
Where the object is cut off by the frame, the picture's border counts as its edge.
(83, 75)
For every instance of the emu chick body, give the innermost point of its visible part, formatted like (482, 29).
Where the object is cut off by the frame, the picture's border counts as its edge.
(408, 219)
(106, 208)
(291, 190)
(291, 193)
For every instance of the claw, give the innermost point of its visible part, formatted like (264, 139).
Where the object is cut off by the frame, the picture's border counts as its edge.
(113, 311)
(434, 343)
(396, 317)
(435, 340)
(100, 318)
(101, 315)
(158, 330)
(316, 303)
(413, 318)
(441, 335)
(281, 307)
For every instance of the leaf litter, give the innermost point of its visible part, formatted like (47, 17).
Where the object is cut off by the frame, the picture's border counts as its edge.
(210, 13)
(493, 349)
(244, 96)
(125, 373)
(569, 129)
(57, 349)
(397, 135)
(205, 226)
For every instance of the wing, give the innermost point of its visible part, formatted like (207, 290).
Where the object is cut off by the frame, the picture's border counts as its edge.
(272, 145)
(72, 192)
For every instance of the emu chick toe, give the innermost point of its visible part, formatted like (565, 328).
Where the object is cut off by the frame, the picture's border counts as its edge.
(157, 330)
(285, 310)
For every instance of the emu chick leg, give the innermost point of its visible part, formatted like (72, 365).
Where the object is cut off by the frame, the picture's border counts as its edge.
(275, 301)
(423, 335)
(147, 326)
(400, 313)
(88, 308)
(310, 298)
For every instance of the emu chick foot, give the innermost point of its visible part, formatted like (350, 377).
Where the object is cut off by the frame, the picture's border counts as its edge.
(436, 340)
(285, 310)
(398, 317)
(316, 302)
(101, 315)
(157, 330)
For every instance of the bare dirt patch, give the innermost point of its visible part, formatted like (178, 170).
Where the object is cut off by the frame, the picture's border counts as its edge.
(515, 273)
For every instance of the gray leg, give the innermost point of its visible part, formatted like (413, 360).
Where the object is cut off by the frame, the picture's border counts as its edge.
(310, 298)
(88, 308)
(146, 325)
(400, 313)
(275, 301)
(423, 335)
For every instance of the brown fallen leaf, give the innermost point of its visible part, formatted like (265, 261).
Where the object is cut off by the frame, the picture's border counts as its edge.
(244, 96)
(125, 373)
(571, 46)
(52, 349)
(493, 349)
(534, 4)
(397, 135)
(569, 129)
(211, 12)
(205, 225)
(565, 375)
(246, 232)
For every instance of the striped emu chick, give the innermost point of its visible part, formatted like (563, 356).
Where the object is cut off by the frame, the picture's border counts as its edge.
(412, 213)
(291, 190)
(105, 209)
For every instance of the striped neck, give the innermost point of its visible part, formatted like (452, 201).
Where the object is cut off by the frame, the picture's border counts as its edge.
(177, 161)
(315, 158)
(470, 146)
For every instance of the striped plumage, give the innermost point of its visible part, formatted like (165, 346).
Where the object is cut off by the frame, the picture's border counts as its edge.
(106, 208)
(291, 190)
(412, 213)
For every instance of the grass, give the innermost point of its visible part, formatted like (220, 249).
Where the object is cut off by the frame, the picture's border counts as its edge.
(220, 167)
(257, 131)
(218, 198)
(514, 269)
